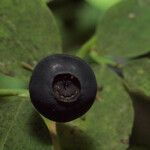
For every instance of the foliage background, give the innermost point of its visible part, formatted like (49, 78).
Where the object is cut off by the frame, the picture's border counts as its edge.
(112, 36)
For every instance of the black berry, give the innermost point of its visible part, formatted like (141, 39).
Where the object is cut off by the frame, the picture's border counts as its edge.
(62, 87)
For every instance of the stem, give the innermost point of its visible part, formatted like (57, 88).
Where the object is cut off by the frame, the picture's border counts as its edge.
(27, 66)
(88, 50)
(51, 125)
(102, 59)
(14, 92)
(53, 132)
(89, 45)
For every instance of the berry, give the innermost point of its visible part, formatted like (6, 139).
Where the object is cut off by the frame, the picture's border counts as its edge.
(62, 87)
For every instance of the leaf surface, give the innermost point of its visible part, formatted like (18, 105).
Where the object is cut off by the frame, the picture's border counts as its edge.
(21, 127)
(125, 31)
(137, 75)
(27, 34)
(7, 82)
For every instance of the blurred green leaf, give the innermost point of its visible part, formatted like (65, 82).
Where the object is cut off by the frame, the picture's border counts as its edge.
(108, 123)
(14, 92)
(103, 4)
(10, 86)
(125, 31)
(21, 127)
(27, 33)
(88, 17)
(7, 82)
(137, 75)
(86, 48)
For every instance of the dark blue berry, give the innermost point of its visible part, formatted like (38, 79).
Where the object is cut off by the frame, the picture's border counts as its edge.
(62, 87)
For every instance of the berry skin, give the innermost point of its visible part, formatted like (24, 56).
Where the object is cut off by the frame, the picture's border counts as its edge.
(62, 87)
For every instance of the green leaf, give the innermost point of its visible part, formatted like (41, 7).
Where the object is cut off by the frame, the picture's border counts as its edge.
(107, 125)
(87, 47)
(137, 75)
(28, 32)
(87, 17)
(21, 127)
(7, 82)
(103, 4)
(14, 92)
(125, 31)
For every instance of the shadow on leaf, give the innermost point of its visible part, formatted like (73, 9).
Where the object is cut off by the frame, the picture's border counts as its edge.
(38, 129)
(73, 138)
(141, 128)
